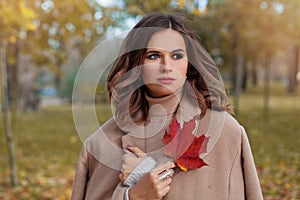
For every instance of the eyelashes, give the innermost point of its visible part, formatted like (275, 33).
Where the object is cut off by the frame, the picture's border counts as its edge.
(155, 56)
(177, 56)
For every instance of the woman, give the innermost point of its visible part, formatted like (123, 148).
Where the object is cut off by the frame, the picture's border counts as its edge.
(170, 137)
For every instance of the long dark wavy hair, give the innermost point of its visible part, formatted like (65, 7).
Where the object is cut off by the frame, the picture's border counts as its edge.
(202, 74)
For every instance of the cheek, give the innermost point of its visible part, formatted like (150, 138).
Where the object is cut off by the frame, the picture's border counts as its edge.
(182, 68)
(147, 72)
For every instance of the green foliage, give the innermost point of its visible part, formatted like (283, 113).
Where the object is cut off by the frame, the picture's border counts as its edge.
(254, 29)
(142, 7)
(12, 25)
(291, 16)
(247, 29)
(63, 25)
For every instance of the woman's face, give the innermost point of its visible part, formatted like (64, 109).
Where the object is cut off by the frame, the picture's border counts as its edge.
(165, 66)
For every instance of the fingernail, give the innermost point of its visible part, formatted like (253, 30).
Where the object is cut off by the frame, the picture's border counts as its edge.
(130, 148)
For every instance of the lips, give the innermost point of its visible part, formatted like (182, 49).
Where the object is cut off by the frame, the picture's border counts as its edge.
(166, 80)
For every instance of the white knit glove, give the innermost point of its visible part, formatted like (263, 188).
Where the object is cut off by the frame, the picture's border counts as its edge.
(139, 171)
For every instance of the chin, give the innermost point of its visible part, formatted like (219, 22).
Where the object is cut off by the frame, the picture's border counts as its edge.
(162, 93)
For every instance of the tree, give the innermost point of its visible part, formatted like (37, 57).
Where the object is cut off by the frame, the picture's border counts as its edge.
(60, 22)
(42, 30)
(10, 34)
(250, 32)
(291, 29)
(142, 7)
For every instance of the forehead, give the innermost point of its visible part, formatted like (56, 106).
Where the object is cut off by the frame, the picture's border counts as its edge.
(167, 40)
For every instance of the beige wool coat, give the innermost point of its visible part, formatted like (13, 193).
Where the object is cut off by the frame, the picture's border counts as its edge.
(229, 175)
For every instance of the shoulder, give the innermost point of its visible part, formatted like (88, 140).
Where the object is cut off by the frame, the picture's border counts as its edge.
(109, 130)
(105, 144)
(232, 124)
(220, 120)
(223, 124)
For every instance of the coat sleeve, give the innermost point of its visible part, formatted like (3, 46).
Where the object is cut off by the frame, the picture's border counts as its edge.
(119, 192)
(81, 176)
(252, 185)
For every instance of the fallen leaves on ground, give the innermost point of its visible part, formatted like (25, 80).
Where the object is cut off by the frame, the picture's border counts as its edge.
(39, 186)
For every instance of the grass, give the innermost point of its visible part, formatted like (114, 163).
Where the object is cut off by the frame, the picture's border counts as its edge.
(275, 139)
(47, 147)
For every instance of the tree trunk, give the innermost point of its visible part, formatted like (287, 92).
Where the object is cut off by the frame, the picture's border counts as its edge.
(294, 68)
(58, 74)
(267, 87)
(254, 74)
(15, 83)
(245, 76)
(7, 118)
(233, 67)
(13, 79)
(239, 73)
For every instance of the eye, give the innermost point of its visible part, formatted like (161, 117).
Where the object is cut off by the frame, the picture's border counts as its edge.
(177, 56)
(153, 56)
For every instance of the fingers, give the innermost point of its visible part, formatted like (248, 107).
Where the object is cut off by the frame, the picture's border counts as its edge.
(150, 186)
(165, 191)
(138, 152)
(130, 159)
(121, 177)
(135, 150)
(165, 183)
(163, 167)
(165, 174)
(164, 187)
(162, 182)
(130, 162)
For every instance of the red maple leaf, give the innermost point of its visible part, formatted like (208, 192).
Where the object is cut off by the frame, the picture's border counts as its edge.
(185, 147)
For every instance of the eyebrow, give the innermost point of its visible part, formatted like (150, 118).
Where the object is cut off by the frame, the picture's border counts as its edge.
(157, 51)
(176, 50)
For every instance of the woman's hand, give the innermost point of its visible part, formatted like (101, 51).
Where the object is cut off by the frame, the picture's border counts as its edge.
(150, 187)
(132, 157)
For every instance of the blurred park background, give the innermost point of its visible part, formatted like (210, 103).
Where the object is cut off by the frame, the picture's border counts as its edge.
(255, 43)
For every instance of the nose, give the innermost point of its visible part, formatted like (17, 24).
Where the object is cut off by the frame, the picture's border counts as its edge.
(166, 64)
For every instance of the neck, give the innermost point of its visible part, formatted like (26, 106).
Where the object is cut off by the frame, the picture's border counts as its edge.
(164, 106)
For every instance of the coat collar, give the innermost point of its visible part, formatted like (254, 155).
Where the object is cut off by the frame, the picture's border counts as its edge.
(211, 125)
